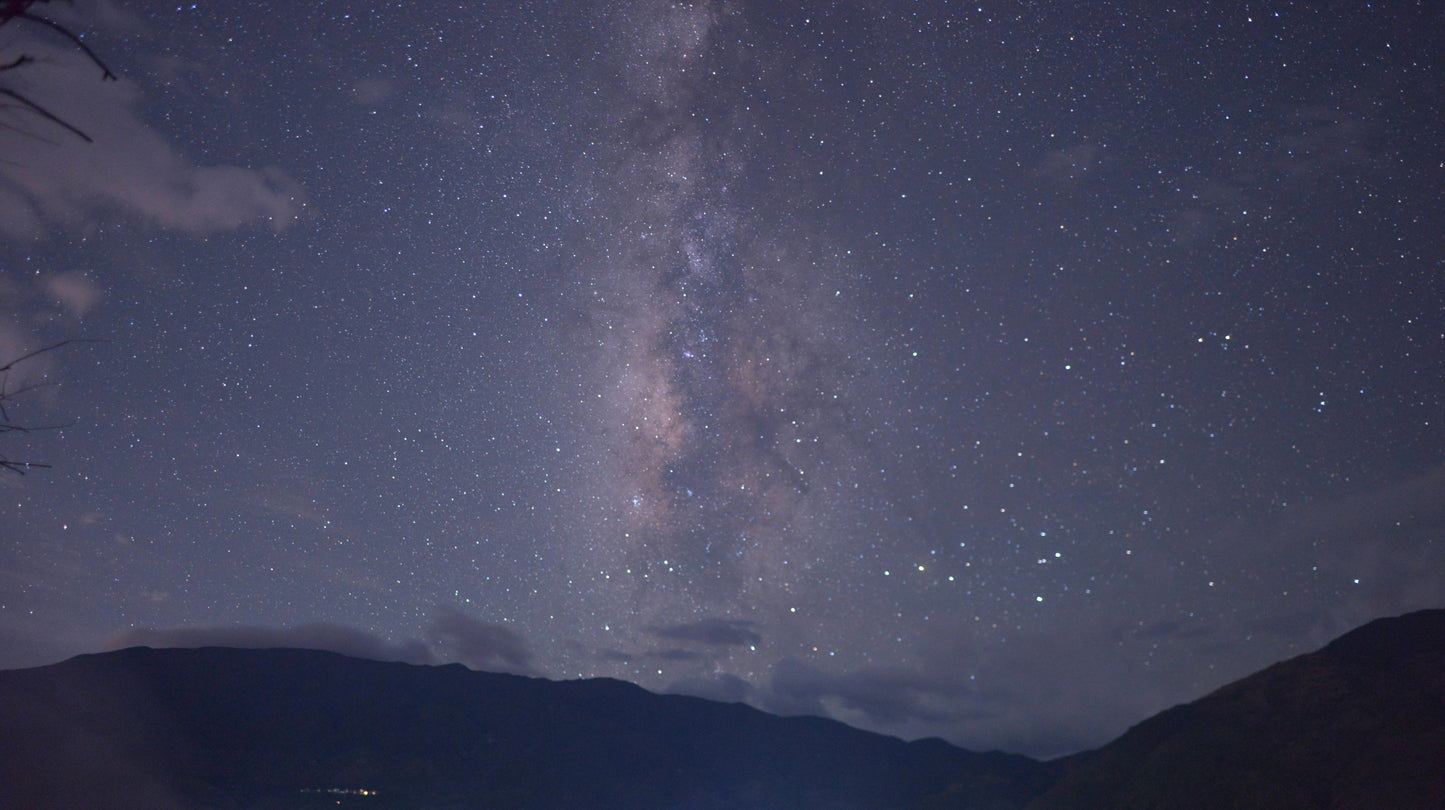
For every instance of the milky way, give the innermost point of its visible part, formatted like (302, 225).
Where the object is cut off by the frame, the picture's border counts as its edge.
(723, 351)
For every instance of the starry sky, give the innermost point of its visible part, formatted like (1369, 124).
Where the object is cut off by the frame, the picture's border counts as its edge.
(998, 371)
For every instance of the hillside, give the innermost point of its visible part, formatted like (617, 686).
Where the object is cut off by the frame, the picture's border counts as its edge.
(284, 728)
(1358, 724)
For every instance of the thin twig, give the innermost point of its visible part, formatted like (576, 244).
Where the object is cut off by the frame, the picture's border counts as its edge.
(44, 113)
(22, 59)
(106, 73)
(52, 347)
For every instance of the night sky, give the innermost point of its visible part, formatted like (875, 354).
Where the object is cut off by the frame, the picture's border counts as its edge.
(1005, 372)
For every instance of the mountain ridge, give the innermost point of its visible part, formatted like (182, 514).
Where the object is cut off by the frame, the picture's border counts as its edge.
(1359, 723)
(266, 725)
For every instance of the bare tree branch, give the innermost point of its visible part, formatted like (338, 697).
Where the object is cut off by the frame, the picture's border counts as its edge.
(18, 61)
(9, 395)
(20, 10)
(52, 347)
(105, 72)
(44, 113)
(19, 467)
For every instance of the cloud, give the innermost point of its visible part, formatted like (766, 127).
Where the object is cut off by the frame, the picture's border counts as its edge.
(723, 688)
(1306, 152)
(51, 179)
(670, 654)
(452, 636)
(1063, 166)
(319, 636)
(478, 644)
(92, 14)
(75, 293)
(1043, 694)
(884, 695)
(373, 91)
(15, 342)
(676, 655)
(1397, 571)
(714, 632)
(1319, 141)
(1416, 500)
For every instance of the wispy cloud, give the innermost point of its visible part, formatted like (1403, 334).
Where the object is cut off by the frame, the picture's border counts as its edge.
(320, 636)
(52, 180)
(711, 631)
(478, 644)
(451, 636)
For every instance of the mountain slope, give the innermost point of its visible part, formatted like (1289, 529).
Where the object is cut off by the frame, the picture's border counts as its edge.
(288, 728)
(1358, 724)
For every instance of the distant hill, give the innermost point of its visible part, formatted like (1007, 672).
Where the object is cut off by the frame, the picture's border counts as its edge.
(283, 728)
(1358, 724)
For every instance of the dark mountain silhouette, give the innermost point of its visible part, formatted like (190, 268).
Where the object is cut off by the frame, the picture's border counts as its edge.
(1358, 724)
(285, 728)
